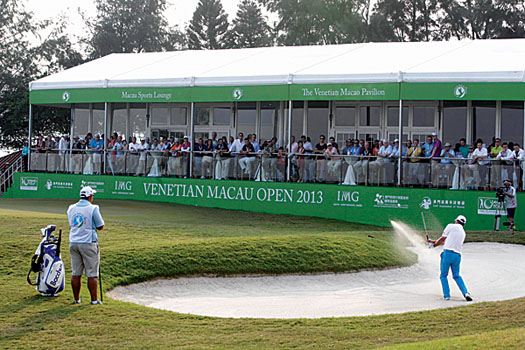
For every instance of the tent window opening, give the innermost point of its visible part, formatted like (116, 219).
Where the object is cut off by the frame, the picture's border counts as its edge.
(202, 116)
(137, 113)
(345, 116)
(512, 122)
(454, 121)
(99, 113)
(484, 120)
(221, 116)
(370, 116)
(178, 116)
(247, 118)
(159, 115)
(81, 122)
(120, 119)
(317, 121)
(269, 114)
(424, 116)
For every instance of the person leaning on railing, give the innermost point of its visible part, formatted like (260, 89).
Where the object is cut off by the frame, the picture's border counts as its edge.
(247, 155)
(207, 160)
(413, 167)
(495, 170)
(480, 154)
(269, 161)
(333, 163)
(222, 168)
(445, 167)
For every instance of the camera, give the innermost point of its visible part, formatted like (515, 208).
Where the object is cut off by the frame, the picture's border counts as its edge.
(500, 195)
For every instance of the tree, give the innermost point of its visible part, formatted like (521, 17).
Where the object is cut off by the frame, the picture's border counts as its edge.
(310, 22)
(208, 27)
(131, 26)
(405, 20)
(21, 61)
(249, 27)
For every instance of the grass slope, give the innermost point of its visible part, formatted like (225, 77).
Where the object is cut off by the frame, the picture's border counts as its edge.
(147, 240)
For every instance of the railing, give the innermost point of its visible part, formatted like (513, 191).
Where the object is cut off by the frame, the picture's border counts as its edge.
(6, 177)
(452, 173)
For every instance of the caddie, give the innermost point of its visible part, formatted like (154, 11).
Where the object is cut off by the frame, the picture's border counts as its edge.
(452, 239)
(84, 222)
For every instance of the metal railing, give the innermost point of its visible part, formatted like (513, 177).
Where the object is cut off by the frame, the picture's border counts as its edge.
(451, 173)
(7, 176)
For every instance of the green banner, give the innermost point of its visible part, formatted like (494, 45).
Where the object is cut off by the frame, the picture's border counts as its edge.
(362, 92)
(360, 204)
(463, 91)
(240, 93)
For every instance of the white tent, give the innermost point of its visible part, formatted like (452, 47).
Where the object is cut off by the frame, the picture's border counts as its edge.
(446, 61)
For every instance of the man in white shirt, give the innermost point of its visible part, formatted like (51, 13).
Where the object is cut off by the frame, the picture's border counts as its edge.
(511, 202)
(452, 239)
(84, 222)
(480, 156)
(235, 149)
(383, 159)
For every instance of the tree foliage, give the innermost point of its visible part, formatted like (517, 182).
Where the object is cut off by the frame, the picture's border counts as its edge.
(208, 27)
(131, 26)
(249, 27)
(21, 61)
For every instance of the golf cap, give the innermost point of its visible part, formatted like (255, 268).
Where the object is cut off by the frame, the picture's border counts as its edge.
(434, 134)
(448, 145)
(87, 192)
(510, 182)
(329, 144)
(97, 135)
(396, 140)
(461, 219)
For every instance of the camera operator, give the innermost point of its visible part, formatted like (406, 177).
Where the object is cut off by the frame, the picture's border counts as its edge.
(510, 201)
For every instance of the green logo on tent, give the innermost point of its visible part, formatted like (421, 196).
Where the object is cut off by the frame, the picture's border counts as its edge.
(237, 94)
(460, 91)
(65, 96)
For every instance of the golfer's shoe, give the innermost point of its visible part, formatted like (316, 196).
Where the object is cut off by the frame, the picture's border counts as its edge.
(95, 302)
(77, 301)
(468, 297)
(446, 298)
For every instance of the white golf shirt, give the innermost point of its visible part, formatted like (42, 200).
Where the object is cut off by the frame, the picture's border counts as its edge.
(455, 235)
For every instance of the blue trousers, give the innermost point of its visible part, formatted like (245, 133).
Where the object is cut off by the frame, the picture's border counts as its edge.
(451, 260)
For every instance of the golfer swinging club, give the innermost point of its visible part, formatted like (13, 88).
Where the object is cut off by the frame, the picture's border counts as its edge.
(452, 238)
(84, 221)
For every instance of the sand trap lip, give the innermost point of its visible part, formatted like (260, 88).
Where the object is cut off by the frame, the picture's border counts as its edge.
(492, 272)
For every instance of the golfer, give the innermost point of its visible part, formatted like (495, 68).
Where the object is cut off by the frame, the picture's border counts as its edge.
(511, 203)
(84, 221)
(452, 238)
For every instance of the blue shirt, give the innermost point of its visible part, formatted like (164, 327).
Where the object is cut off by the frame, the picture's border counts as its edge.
(355, 151)
(94, 144)
(427, 147)
(447, 156)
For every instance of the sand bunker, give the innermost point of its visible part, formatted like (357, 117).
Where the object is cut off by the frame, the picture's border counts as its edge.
(491, 271)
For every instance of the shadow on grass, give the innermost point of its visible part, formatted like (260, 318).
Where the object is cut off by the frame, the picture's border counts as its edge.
(36, 320)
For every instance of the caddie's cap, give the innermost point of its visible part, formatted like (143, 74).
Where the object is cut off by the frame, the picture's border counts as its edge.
(461, 219)
(87, 192)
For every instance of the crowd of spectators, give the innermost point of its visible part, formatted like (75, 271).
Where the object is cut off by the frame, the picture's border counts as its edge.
(425, 163)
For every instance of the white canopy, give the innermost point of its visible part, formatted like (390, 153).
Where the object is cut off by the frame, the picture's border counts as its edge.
(446, 61)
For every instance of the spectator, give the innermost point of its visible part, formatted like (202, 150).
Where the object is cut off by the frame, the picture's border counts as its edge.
(511, 202)
(413, 167)
(361, 168)
(320, 160)
(463, 147)
(382, 162)
(197, 157)
(353, 154)
(97, 145)
(332, 141)
(480, 155)
(269, 161)
(222, 168)
(445, 166)
(255, 143)
(519, 162)
(214, 140)
(299, 161)
(427, 147)
(494, 150)
(333, 161)
(348, 147)
(207, 160)
(248, 157)
(505, 162)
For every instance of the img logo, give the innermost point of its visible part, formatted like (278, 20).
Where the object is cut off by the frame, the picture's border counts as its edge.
(29, 183)
(237, 94)
(78, 221)
(460, 91)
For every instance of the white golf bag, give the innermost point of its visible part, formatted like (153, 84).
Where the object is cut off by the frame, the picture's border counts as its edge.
(48, 264)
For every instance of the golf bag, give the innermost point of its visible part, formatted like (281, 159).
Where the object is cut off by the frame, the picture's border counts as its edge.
(48, 264)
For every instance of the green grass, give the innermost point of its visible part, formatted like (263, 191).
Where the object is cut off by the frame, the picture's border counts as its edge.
(146, 240)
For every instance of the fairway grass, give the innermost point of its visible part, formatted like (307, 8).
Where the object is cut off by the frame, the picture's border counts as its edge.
(148, 240)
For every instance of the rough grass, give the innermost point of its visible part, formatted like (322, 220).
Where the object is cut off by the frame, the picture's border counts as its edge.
(144, 240)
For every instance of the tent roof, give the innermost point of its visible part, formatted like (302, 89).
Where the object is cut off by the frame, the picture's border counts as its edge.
(446, 61)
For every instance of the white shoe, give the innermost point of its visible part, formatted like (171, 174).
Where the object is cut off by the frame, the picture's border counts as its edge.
(95, 302)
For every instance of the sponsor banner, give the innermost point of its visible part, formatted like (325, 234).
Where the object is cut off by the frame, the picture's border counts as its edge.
(463, 91)
(380, 91)
(28, 183)
(360, 204)
(490, 206)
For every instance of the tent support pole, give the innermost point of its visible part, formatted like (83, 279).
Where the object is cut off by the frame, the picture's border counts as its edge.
(289, 161)
(400, 158)
(30, 136)
(106, 116)
(71, 127)
(192, 132)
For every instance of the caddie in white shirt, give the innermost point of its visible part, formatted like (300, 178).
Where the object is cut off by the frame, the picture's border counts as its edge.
(84, 222)
(452, 239)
